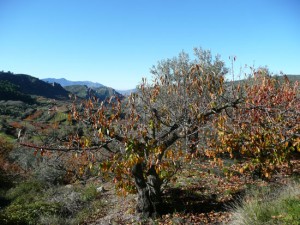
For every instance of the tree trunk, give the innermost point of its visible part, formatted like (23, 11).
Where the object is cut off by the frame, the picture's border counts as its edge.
(149, 195)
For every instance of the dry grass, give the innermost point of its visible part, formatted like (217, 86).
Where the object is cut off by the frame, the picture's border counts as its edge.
(268, 205)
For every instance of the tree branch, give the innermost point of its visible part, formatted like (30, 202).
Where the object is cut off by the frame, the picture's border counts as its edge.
(94, 148)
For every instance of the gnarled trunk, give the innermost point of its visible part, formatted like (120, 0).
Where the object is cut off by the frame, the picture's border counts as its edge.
(149, 195)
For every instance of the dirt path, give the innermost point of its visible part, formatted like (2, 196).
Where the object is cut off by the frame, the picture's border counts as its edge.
(120, 209)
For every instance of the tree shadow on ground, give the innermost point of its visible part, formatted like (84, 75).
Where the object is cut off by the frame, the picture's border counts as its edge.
(193, 201)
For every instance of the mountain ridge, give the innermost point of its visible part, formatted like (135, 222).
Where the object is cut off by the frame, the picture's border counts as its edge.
(23, 87)
(30, 85)
(64, 82)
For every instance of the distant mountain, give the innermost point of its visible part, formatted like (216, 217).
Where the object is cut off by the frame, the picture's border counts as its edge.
(85, 89)
(292, 78)
(101, 93)
(126, 92)
(28, 85)
(64, 82)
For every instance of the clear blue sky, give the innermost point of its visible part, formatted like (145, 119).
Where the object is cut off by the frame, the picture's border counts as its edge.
(116, 42)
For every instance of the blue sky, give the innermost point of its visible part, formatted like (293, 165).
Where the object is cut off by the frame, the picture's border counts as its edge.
(116, 42)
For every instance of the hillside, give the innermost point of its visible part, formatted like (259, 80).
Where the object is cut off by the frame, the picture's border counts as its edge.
(28, 85)
(9, 91)
(293, 78)
(64, 82)
(84, 91)
(281, 78)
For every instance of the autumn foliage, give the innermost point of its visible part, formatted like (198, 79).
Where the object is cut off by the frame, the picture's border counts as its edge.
(265, 127)
(188, 110)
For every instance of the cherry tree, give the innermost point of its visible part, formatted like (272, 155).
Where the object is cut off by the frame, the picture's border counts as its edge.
(145, 138)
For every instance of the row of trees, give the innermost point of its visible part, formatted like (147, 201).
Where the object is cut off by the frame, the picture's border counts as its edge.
(188, 109)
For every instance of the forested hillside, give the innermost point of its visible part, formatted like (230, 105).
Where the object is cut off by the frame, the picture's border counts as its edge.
(29, 85)
(10, 91)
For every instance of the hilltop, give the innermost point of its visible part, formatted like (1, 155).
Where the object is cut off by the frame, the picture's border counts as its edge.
(26, 85)
(77, 87)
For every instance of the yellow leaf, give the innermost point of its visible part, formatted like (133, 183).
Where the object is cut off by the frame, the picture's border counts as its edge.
(86, 142)
(169, 154)
(267, 175)
(241, 170)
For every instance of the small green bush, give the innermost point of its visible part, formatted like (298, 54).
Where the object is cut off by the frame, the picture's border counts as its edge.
(269, 206)
(27, 204)
(50, 172)
(29, 213)
(36, 202)
(89, 193)
(24, 189)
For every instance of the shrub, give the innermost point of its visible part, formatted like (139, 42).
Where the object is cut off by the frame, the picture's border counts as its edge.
(269, 206)
(27, 187)
(89, 193)
(50, 172)
(35, 202)
(29, 213)
(27, 204)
